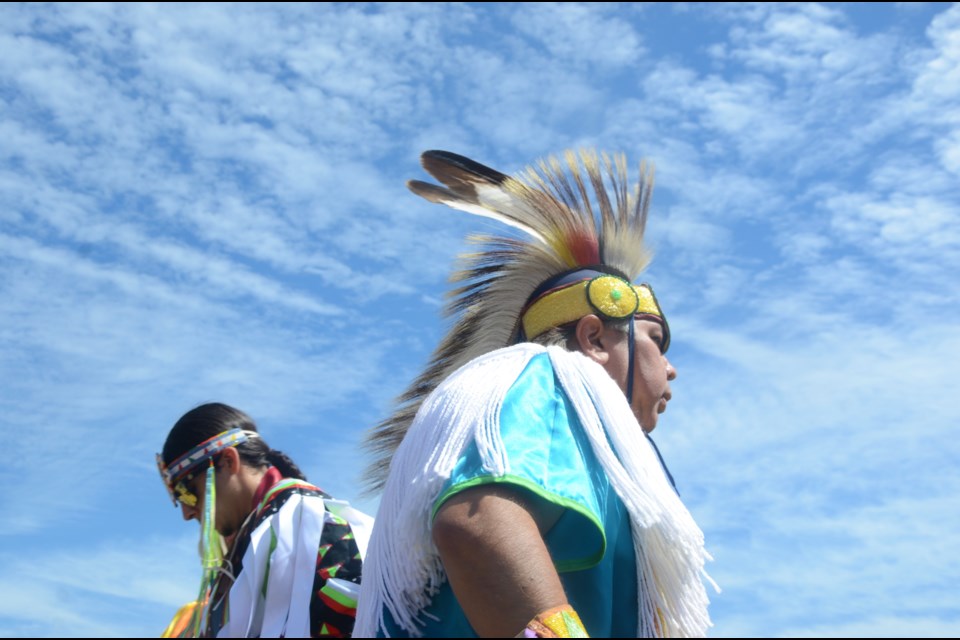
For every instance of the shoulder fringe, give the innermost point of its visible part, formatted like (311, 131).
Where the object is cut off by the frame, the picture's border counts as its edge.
(402, 570)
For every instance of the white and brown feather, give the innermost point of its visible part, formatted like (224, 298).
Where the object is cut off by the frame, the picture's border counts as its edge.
(581, 194)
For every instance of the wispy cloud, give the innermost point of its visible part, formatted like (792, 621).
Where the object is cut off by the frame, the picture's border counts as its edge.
(804, 460)
(571, 32)
(208, 204)
(76, 591)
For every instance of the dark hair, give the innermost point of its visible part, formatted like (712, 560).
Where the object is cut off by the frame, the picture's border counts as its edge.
(209, 420)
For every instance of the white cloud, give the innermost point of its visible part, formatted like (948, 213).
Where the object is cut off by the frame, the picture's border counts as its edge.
(804, 246)
(926, 110)
(96, 344)
(948, 150)
(912, 228)
(882, 626)
(573, 31)
(208, 204)
(801, 457)
(810, 42)
(745, 115)
(115, 590)
(939, 78)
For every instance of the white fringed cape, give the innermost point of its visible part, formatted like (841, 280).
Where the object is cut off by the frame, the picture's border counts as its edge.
(272, 595)
(402, 568)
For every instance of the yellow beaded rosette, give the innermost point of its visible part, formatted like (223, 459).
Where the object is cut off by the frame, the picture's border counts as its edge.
(609, 296)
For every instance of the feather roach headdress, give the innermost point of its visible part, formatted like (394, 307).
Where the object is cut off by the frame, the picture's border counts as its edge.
(583, 248)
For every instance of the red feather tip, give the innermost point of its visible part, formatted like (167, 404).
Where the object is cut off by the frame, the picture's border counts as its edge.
(584, 248)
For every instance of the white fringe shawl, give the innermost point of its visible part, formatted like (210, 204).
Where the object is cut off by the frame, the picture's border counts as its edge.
(402, 570)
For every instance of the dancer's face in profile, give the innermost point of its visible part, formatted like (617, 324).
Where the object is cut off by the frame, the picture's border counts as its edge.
(227, 509)
(652, 371)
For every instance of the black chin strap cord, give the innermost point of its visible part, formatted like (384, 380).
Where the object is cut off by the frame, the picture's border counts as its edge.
(662, 463)
(630, 355)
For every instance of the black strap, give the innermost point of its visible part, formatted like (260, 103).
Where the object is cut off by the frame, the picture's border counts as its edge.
(662, 463)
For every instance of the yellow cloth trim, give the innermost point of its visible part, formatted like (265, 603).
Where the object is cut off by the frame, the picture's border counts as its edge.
(559, 622)
(610, 296)
(178, 627)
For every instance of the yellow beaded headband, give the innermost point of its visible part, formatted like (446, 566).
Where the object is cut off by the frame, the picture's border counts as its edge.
(608, 296)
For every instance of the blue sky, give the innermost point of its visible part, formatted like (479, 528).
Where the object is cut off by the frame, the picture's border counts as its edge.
(207, 203)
